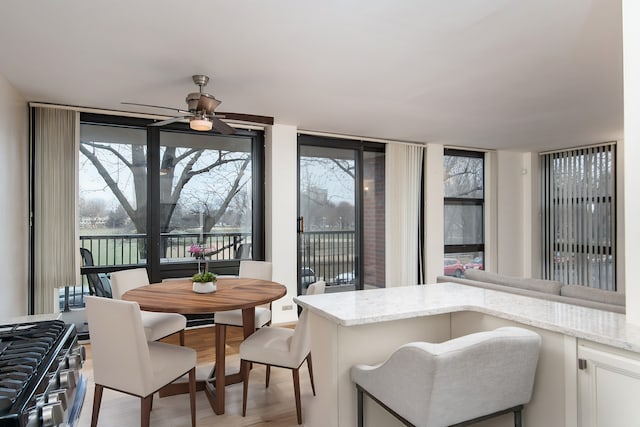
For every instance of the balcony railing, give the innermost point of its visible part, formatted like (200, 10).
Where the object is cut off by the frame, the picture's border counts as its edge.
(330, 255)
(327, 255)
(130, 249)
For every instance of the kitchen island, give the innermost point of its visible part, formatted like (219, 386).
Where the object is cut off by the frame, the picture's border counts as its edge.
(366, 326)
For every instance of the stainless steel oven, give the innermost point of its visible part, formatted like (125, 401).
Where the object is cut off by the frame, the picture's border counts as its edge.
(41, 382)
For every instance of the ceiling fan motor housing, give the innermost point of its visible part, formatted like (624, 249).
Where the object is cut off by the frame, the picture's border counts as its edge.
(202, 102)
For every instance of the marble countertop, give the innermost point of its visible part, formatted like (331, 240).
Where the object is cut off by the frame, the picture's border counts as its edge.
(381, 305)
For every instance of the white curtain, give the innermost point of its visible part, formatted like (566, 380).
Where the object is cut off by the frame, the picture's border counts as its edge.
(56, 138)
(403, 183)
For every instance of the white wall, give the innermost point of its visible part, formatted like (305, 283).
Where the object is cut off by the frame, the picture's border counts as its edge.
(631, 54)
(510, 214)
(281, 190)
(14, 197)
(434, 212)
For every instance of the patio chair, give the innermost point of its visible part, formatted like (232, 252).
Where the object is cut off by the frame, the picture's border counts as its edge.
(99, 284)
(243, 251)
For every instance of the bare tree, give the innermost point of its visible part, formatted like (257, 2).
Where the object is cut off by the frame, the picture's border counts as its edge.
(463, 179)
(463, 176)
(217, 175)
(213, 201)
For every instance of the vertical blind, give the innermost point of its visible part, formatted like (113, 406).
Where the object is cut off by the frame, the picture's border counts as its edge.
(55, 262)
(578, 216)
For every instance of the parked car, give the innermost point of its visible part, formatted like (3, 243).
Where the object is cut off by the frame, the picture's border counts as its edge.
(476, 264)
(345, 278)
(307, 277)
(453, 267)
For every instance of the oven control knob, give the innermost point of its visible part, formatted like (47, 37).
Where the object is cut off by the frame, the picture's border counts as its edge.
(58, 396)
(67, 379)
(52, 415)
(34, 418)
(74, 362)
(81, 351)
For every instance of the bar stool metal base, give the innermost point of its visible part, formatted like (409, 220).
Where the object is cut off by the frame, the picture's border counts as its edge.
(517, 412)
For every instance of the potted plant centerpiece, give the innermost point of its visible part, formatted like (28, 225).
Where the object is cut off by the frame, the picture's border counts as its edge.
(204, 283)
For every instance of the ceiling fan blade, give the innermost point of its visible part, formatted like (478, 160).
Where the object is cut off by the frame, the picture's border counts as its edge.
(221, 126)
(156, 106)
(265, 120)
(168, 121)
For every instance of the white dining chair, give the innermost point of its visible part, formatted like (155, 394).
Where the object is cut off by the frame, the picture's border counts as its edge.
(457, 382)
(156, 325)
(254, 270)
(123, 359)
(281, 347)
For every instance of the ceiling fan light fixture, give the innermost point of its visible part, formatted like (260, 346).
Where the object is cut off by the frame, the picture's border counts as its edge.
(200, 123)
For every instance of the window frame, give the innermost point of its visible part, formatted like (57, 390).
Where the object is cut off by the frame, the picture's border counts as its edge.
(468, 201)
(580, 246)
(359, 147)
(156, 270)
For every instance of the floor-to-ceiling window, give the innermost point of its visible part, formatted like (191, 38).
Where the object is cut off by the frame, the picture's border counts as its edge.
(170, 199)
(463, 211)
(578, 221)
(341, 213)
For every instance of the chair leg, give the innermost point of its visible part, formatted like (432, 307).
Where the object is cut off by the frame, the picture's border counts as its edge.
(517, 418)
(310, 366)
(192, 395)
(145, 410)
(97, 399)
(182, 338)
(296, 389)
(244, 368)
(267, 377)
(360, 398)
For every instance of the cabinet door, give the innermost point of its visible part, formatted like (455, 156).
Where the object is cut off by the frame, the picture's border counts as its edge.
(608, 388)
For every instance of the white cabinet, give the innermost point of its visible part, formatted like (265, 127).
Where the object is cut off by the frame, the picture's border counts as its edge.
(608, 387)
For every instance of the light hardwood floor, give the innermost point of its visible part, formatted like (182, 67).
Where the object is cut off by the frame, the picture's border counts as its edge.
(274, 406)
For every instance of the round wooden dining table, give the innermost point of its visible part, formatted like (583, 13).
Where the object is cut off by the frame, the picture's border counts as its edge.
(177, 296)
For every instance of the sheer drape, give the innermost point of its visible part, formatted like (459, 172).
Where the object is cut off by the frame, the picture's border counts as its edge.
(404, 172)
(55, 165)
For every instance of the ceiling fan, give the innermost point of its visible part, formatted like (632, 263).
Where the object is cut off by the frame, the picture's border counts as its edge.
(201, 111)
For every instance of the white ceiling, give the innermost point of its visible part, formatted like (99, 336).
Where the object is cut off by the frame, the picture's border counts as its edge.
(513, 74)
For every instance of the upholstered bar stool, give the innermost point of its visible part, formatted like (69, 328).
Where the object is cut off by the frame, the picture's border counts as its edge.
(458, 382)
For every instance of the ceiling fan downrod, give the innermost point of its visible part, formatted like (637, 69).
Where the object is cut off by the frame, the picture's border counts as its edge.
(201, 80)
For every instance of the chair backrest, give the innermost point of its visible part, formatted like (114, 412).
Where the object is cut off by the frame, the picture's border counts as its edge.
(119, 349)
(316, 288)
(301, 340)
(99, 284)
(255, 269)
(458, 380)
(125, 280)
